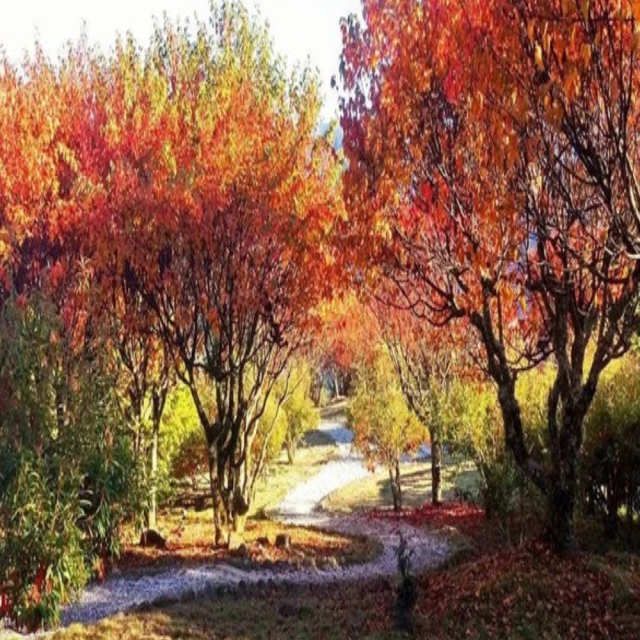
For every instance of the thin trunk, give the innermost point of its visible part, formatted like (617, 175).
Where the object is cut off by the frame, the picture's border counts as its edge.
(436, 470)
(291, 450)
(153, 496)
(396, 486)
(220, 511)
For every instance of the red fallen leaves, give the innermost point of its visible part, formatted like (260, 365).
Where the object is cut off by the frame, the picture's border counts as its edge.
(467, 518)
(527, 588)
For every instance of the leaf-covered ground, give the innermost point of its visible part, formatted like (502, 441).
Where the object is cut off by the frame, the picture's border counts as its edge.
(189, 543)
(497, 593)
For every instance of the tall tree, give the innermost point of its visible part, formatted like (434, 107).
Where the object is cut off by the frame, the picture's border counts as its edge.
(492, 151)
(219, 201)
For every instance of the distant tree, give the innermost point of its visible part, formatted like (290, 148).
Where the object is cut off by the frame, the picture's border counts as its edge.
(385, 428)
(299, 411)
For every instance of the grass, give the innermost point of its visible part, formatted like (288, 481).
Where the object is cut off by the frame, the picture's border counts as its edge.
(374, 492)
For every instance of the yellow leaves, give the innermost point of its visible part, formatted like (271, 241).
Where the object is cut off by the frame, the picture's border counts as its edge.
(585, 54)
(584, 8)
(538, 58)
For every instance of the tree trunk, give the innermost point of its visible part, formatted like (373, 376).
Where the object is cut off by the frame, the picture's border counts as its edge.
(561, 505)
(337, 385)
(153, 496)
(396, 486)
(436, 470)
(220, 511)
(291, 451)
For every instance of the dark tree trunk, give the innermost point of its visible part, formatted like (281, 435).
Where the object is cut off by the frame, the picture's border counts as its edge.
(436, 470)
(396, 485)
(561, 505)
(220, 510)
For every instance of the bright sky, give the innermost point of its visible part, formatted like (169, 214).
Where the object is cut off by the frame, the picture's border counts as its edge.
(301, 29)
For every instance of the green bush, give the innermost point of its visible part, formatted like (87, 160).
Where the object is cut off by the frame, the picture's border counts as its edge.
(41, 548)
(300, 412)
(611, 457)
(67, 475)
(473, 428)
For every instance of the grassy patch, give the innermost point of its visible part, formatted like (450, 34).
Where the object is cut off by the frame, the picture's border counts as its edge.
(374, 492)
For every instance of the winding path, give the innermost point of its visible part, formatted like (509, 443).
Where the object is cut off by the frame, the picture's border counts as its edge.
(300, 506)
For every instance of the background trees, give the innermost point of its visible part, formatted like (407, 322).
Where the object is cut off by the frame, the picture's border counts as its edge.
(385, 428)
(487, 179)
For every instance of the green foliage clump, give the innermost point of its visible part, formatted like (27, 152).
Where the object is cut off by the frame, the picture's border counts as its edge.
(300, 412)
(183, 446)
(473, 428)
(611, 456)
(67, 478)
(384, 426)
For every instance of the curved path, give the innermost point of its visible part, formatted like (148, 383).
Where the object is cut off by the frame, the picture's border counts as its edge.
(123, 593)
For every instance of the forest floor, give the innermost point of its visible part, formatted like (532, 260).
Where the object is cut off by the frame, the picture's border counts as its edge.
(325, 548)
(486, 591)
(473, 585)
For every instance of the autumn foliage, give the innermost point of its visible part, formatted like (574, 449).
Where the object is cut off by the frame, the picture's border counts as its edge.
(492, 153)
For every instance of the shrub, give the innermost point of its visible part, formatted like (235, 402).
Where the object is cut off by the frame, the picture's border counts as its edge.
(41, 550)
(67, 478)
(611, 458)
(385, 428)
(473, 428)
(300, 413)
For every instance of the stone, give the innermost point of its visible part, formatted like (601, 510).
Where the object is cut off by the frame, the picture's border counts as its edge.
(153, 539)
(283, 541)
(263, 541)
(332, 563)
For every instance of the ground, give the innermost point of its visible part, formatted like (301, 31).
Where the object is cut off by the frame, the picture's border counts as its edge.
(512, 594)
(486, 588)
(192, 546)
(375, 490)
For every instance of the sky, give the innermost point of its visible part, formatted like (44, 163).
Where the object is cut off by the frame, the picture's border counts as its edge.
(300, 29)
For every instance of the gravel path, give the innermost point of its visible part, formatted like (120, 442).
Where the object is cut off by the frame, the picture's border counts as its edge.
(123, 593)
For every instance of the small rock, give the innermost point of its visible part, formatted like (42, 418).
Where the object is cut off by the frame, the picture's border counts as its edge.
(283, 541)
(332, 563)
(263, 541)
(153, 539)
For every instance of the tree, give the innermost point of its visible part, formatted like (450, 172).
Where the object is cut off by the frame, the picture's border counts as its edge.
(492, 151)
(220, 198)
(426, 366)
(385, 428)
(299, 411)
